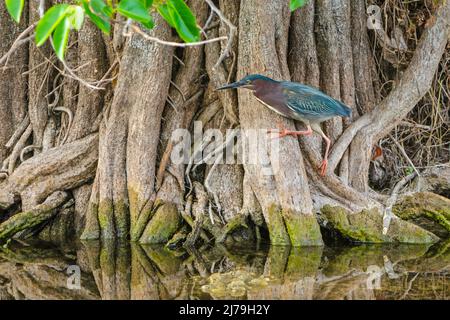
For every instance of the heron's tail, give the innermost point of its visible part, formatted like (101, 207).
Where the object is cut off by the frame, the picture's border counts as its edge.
(344, 111)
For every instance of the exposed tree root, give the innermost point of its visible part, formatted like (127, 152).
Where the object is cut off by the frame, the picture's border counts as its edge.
(367, 227)
(61, 168)
(33, 217)
(198, 212)
(238, 221)
(429, 207)
(162, 225)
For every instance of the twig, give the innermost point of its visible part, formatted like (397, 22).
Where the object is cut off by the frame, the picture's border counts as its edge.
(26, 150)
(80, 80)
(18, 148)
(17, 43)
(183, 97)
(70, 114)
(409, 287)
(391, 201)
(171, 43)
(129, 26)
(402, 150)
(208, 21)
(179, 60)
(231, 36)
(18, 133)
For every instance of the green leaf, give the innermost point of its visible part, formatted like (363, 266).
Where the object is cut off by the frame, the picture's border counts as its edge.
(295, 4)
(183, 20)
(15, 8)
(136, 10)
(101, 23)
(148, 3)
(61, 37)
(49, 22)
(100, 7)
(76, 17)
(163, 10)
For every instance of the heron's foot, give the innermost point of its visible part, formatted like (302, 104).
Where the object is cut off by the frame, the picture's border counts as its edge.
(283, 132)
(323, 167)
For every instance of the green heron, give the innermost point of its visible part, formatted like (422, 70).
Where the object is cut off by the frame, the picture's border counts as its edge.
(295, 101)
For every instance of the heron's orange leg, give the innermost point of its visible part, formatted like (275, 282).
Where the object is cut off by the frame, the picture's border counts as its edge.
(323, 166)
(283, 132)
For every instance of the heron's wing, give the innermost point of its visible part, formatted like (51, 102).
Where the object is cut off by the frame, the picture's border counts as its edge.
(312, 102)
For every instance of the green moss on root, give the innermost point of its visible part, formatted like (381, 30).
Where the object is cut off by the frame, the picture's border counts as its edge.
(33, 217)
(113, 219)
(162, 226)
(303, 229)
(122, 220)
(366, 227)
(287, 227)
(303, 262)
(92, 228)
(145, 215)
(106, 219)
(431, 206)
(277, 230)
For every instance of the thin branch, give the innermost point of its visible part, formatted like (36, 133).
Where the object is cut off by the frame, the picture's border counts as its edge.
(129, 26)
(70, 114)
(18, 133)
(17, 43)
(26, 150)
(388, 215)
(171, 43)
(233, 31)
(402, 150)
(341, 145)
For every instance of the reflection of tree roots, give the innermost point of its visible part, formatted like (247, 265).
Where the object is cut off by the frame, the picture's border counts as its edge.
(29, 272)
(123, 271)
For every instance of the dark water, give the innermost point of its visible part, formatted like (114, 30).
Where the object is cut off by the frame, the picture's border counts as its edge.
(130, 271)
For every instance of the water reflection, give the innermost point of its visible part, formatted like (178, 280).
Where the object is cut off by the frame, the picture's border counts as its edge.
(111, 270)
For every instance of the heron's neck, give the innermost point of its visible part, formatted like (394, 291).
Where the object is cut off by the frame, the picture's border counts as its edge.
(266, 88)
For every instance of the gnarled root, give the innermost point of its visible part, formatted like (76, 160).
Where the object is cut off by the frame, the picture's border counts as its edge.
(33, 217)
(234, 223)
(367, 227)
(60, 168)
(429, 210)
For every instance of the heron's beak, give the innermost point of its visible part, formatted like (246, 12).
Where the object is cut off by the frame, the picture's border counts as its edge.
(233, 85)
